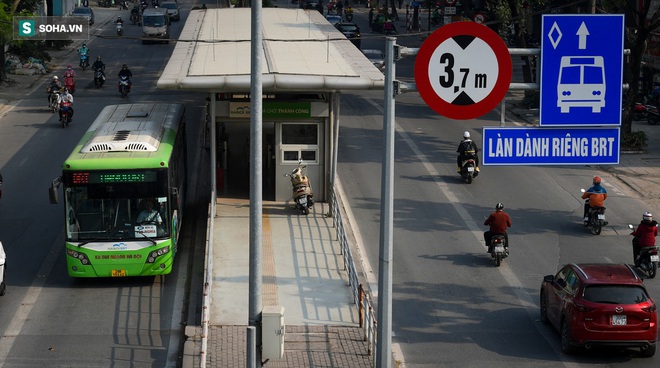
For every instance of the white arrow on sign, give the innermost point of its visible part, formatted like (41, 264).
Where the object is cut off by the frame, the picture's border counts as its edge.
(583, 32)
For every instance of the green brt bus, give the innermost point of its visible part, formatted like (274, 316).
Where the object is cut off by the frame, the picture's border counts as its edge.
(131, 160)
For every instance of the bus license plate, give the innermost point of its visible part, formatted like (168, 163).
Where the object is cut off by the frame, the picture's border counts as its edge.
(655, 258)
(118, 273)
(619, 320)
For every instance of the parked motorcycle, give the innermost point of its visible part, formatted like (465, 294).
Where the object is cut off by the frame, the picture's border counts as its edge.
(302, 191)
(648, 258)
(123, 86)
(468, 170)
(65, 113)
(120, 28)
(99, 78)
(596, 218)
(639, 111)
(652, 114)
(84, 61)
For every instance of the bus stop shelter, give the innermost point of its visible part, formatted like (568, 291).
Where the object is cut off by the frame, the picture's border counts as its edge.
(307, 63)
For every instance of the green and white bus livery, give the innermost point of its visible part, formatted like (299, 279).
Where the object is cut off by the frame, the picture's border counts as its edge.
(130, 166)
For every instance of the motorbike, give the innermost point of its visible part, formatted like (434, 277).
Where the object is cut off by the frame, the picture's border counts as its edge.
(123, 86)
(123, 5)
(134, 18)
(348, 14)
(84, 61)
(468, 170)
(648, 258)
(120, 28)
(498, 249)
(52, 98)
(70, 84)
(652, 114)
(65, 113)
(99, 78)
(302, 191)
(596, 218)
(639, 112)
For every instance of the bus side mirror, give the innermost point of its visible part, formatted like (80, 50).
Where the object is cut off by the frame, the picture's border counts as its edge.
(52, 191)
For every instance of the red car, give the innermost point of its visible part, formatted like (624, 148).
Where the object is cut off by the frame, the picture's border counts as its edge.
(600, 305)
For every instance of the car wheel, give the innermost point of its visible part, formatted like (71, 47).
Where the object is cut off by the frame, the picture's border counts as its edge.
(649, 352)
(544, 308)
(566, 346)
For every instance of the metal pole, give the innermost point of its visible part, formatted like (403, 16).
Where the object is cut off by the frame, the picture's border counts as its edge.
(256, 190)
(384, 341)
(214, 153)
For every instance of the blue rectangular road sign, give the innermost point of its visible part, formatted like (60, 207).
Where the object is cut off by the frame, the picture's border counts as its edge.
(550, 146)
(581, 70)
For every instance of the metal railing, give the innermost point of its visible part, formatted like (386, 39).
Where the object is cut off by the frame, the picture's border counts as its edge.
(361, 297)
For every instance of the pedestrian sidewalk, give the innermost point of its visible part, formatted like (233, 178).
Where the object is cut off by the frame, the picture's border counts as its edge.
(303, 271)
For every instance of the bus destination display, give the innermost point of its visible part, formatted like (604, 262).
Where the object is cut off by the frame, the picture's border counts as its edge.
(87, 177)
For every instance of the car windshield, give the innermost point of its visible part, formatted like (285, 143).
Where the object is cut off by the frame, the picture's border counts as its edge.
(348, 28)
(615, 294)
(154, 21)
(169, 6)
(82, 11)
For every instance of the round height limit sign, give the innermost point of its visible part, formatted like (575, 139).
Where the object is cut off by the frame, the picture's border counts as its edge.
(463, 70)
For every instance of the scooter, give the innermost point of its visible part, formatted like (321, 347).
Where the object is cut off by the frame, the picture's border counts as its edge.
(469, 171)
(596, 218)
(65, 113)
(123, 86)
(99, 78)
(498, 249)
(302, 191)
(84, 61)
(52, 98)
(120, 28)
(648, 258)
(70, 84)
(123, 5)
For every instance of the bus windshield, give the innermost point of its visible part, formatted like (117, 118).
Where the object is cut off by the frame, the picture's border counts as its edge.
(116, 211)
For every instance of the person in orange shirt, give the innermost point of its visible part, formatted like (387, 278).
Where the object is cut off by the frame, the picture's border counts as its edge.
(595, 197)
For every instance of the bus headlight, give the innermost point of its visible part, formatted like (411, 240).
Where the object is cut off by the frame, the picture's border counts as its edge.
(157, 253)
(82, 257)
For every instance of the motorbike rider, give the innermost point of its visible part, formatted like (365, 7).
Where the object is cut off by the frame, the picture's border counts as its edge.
(53, 86)
(120, 21)
(125, 72)
(99, 65)
(595, 197)
(135, 12)
(83, 50)
(498, 222)
(69, 75)
(467, 149)
(65, 96)
(644, 235)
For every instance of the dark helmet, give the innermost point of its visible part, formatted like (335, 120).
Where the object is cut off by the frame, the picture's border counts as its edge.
(499, 206)
(596, 180)
(98, 58)
(124, 66)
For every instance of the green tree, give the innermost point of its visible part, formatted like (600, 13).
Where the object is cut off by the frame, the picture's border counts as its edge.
(9, 8)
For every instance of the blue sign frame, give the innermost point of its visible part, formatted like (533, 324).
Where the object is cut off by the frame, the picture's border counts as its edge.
(550, 146)
(581, 70)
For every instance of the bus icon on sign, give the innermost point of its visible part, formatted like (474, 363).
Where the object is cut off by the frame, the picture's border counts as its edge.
(581, 83)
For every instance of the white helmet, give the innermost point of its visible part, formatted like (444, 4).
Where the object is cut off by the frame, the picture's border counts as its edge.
(647, 216)
(466, 134)
(55, 78)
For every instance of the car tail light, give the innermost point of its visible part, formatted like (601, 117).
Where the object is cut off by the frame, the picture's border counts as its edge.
(583, 308)
(650, 309)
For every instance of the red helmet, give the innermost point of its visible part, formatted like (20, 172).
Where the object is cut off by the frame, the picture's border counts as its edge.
(596, 179)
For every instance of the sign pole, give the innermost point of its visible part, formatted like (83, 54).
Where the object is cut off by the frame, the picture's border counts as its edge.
(384, 315)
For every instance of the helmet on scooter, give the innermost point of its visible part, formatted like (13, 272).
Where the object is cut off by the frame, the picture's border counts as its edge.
(124, 66)
(55, 78)
(98, 58)
(596, 179)
(466, 134)
(499, 206)
(69, 66)
(647, 216)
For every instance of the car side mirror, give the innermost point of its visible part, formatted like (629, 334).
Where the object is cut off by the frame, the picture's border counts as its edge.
(549, 278)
